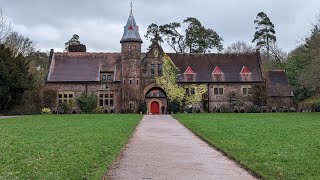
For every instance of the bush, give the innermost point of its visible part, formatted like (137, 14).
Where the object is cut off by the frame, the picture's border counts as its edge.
(225, 109)
(49, 98)
(142, 107)
(88, 103)
(317, 107)
(254, 109)
(66, 107)
(46, 111)
(174, 107)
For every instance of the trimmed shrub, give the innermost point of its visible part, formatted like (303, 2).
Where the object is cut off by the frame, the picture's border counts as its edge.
(174, 106)
(88, 103)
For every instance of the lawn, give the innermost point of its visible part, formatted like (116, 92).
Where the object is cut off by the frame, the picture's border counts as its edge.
(62, 146)
(274, 146)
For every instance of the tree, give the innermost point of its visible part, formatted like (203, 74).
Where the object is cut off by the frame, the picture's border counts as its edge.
(153, 33)
(19, 44)
(15, 78)
(197, 38)
(302, 66)
(265, 34)
(74, 45)
(240, 47)
(5, 26)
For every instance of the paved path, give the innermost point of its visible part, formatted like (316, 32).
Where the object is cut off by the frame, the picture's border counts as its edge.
(162, 148)
(4, 117)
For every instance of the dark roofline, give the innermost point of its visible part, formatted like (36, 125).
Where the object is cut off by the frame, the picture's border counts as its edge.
(221, 82)
(79, 82)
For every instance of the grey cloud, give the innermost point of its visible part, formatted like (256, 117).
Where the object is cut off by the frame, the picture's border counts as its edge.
(100, 22)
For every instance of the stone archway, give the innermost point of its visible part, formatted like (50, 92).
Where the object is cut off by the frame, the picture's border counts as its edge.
(155, 97)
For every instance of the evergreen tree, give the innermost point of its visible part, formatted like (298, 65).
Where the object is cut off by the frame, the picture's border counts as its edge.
(15, 78)
(265, 34)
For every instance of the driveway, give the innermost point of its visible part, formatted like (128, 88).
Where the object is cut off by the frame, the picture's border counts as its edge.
(162, 148)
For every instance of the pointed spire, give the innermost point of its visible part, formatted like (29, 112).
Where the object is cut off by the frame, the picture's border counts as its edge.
(131, 30)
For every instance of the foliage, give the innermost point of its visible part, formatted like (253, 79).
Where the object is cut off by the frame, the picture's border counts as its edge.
(38, 66)
(88, 103)
(19, 44)
(260, 94)
(285, 145)
(153, 33)
(265, 34)
(240, 47)
(15, 78)
(62, 146)
(74, 45)
(66, 107)
(303, 64)
(199, 90)
(317, 107)
(142, 107)
(197, 38)
(174, 106)
(254, 109)
(46, 111)
(168, 80)
(49, 97)
(312, 102)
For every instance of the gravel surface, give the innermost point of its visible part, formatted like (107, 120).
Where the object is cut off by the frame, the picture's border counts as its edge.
(162, 148)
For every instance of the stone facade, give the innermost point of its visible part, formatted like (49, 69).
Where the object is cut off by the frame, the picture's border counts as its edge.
(122, 81)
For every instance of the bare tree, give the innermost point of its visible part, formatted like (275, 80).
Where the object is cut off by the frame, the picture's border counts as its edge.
(19, 44)
(240, 47)
(5, 25)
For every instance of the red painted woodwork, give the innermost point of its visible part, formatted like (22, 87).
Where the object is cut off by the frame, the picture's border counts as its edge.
(130, 28)
(188, 71)
(217, 70)
(155, 107)
(245, 70)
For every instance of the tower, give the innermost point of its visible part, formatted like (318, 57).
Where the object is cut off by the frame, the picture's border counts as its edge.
(130, 59)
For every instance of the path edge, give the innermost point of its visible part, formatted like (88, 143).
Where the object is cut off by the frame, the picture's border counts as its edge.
(114, 163)
(241, 165)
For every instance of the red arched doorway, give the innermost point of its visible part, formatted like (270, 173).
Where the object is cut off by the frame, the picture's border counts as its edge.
(155, 107)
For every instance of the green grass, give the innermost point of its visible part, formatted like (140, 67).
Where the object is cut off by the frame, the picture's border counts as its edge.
(274, 146)
(62, 146)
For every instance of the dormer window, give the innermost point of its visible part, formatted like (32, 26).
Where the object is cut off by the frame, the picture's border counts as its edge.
(189, 71)
(104, 77)
(189, 74)
(245, 73)
(217, 74)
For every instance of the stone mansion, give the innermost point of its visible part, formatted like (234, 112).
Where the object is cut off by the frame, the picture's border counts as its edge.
(122, 80)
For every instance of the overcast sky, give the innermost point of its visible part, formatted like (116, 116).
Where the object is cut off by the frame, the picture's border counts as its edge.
(99, 23)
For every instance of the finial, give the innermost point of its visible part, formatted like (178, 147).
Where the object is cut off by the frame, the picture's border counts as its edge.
(131, 6)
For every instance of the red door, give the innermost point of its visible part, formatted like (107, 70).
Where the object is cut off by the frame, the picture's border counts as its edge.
(155, 108)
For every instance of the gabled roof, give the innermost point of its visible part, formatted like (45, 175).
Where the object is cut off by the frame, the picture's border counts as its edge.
(131, 31)
(278, 84)
(83, 66)
(217, 71)
(245, 70)
(189, 71)
(231, 64)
